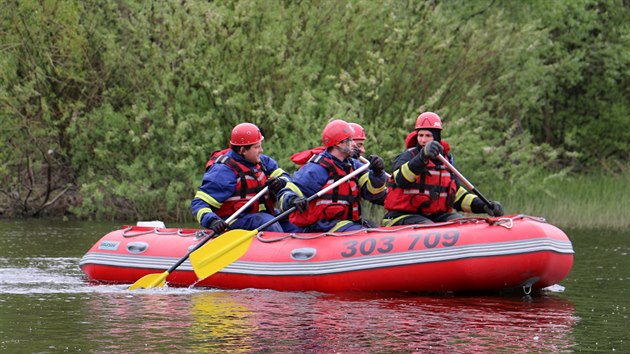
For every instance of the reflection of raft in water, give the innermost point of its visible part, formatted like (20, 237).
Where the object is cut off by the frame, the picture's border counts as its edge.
(470, 254)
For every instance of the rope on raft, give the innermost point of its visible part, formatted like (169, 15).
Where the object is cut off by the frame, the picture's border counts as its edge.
(507, 222)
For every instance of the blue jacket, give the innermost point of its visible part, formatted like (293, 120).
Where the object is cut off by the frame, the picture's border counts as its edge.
(219, 184)
(310, 179)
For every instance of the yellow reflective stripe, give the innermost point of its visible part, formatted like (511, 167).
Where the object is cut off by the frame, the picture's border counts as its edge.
(277, 172)
(460, 193)
(394, 175)
(373, 190)
(295, 189)
(365, 178)
(406, 172)
(391, 222)
(202, 212)
(281, 202)
(339, 225)
(467, 203)
(208, 199)
(466, 199)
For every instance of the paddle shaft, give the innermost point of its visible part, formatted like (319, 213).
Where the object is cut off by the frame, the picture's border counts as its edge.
(211, 234)
(464, 180)
(316, 195)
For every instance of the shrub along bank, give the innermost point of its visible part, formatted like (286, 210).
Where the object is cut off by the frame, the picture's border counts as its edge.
(110, 109)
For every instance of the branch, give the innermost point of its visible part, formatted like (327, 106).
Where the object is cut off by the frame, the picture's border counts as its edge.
(52, 201)
(31, 179)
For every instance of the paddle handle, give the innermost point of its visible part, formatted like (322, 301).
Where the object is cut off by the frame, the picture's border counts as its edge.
(315, 196)
(463, 179)
(212, 233)
(364, 160)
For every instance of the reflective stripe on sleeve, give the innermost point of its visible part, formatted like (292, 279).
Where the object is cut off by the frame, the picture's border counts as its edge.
(208, 199)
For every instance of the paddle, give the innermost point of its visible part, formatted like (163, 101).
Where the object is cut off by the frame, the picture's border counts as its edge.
(232, 245)
(159, 279)
(464, 180)
(364, 160)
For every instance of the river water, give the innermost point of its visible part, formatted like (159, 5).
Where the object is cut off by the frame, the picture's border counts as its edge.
(47, 307)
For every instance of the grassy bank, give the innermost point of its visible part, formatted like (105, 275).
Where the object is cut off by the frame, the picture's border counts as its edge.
(576, 202)
(580, 202)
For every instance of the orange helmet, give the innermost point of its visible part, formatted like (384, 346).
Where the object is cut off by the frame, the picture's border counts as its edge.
(335, 132)
(246, 134)
(428, 120)
(359, 133)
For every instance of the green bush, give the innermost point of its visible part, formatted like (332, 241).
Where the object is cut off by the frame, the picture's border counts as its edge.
(110, 109)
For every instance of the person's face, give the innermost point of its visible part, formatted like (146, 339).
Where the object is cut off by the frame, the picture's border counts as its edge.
(253, 153)
(424, 136)
(361, 145)
(346, 147)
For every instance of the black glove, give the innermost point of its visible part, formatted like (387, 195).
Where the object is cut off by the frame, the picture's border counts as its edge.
(300, 203)
(275, 184)
(355, 152)
(495, 210)
(376, 164)
(416, 165)
(431, 150)
(218, 225)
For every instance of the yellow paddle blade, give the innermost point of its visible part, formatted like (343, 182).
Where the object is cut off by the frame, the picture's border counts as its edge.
(221, 252)
(150, 281)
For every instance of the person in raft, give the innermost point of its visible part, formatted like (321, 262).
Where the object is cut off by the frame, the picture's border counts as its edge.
(421, 189)
(339, 209)
(359, 137)
(302, 157)
(233, 176)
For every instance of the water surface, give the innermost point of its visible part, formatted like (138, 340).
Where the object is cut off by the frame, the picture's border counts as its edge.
(47, 307)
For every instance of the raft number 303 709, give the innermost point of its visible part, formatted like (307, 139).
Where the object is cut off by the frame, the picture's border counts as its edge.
(370, 245)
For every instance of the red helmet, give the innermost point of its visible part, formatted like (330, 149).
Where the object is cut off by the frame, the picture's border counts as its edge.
(336, 132)
(359, 133)
(428, 120)
(246, 134)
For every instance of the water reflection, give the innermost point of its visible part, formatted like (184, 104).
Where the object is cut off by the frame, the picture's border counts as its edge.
(222, 320)
(51, 290)
(246, 321)
(123, 322)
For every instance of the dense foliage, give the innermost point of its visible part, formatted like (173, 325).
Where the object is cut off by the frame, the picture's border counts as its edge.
(110, 109)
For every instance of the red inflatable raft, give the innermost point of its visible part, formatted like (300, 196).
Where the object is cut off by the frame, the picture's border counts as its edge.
(470, 254)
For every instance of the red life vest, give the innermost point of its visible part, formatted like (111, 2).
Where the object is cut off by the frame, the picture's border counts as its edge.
(249, 182)
(340, 203)
(432, 192)
(215, 155)
(302, 157)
